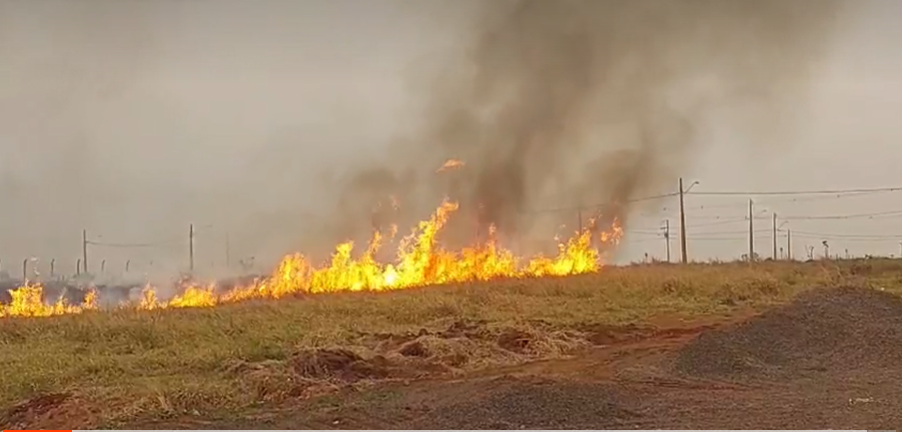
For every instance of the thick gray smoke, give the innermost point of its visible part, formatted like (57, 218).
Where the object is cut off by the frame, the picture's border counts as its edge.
(566, 102)
(134, 119)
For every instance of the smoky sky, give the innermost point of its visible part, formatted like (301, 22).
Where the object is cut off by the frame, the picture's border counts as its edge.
(584, 102)
(279, 126)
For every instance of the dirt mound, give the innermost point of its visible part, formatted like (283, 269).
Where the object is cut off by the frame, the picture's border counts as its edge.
(376, 357)
(341, 364)
(835, 329)
(478, 342)
(48, 411)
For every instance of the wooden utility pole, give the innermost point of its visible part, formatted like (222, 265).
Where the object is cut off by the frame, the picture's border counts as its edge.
(25, 270)
(751, 232)
(52, 268)
(775, 236)
(667, 237)
(84, 251)
(684, 258)
(191, 247)
(789, 243)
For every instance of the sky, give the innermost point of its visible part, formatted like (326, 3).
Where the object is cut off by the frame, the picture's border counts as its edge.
(133, 120)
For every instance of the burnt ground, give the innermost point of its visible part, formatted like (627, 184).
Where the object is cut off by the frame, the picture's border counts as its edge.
(829, 360)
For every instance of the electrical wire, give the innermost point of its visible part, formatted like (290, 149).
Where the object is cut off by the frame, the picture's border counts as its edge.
(786, 200)
(601, 206)
(848, 236)
(134, 245)
(798, 192)
(701, 236)
(842, 217)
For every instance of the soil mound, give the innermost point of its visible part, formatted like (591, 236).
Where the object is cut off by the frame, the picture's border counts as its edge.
(827, 330)
(342, 364)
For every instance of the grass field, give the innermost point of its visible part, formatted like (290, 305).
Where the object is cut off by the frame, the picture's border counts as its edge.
(109, 369)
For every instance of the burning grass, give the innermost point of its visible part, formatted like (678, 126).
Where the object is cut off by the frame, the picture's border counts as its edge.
(421, 261)
(114, 367)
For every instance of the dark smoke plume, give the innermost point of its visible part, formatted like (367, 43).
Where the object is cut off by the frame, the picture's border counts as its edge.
(559, 102)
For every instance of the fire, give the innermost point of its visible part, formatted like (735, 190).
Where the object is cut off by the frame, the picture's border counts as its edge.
(451, 164)
(420, 261)
(28, 301)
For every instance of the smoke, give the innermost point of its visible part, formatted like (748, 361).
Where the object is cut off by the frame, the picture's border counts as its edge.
(584, 102)
(133, 120)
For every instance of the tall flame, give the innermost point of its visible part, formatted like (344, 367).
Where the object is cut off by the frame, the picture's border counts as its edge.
(421, 261)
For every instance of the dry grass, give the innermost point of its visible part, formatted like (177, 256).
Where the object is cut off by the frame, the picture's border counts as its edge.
(112, 367)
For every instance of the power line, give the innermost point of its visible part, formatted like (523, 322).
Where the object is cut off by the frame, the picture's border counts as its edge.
(172, 242)
(837, 194)
(700, 238)
(846, 216)
(799, 192)
(721, 222)
(130, 245)
(849, 236)
(601, 206)
(133, 245)
(784, 200)
(736, 236)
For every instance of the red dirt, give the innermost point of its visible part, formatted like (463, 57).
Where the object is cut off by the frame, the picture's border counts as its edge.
(51, 411)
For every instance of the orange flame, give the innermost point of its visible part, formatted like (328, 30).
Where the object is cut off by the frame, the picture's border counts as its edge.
(421, 261)
(451, 164)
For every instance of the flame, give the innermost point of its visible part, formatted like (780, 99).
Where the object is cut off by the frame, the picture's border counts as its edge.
(451, 164)
(420, 261)
(28, 301)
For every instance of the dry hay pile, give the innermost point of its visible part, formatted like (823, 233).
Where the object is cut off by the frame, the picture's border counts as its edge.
(836, 330)
(374, 357)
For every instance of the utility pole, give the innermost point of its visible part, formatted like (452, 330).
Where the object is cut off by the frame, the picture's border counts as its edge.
(52, 268)
(751, 232)
(24, 270)
(683, 255)
(789, 244)
(191, 247)
(667, 237)
(84, 251)
(775, 236)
